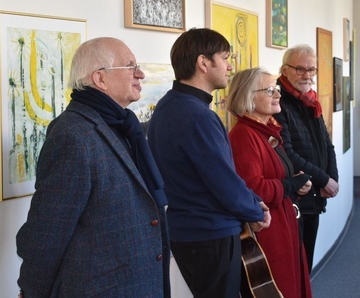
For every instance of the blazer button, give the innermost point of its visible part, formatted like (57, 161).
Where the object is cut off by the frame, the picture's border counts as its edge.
(155, 222)
(159, 258)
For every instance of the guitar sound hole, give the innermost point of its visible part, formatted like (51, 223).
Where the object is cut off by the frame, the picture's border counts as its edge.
(249, 248)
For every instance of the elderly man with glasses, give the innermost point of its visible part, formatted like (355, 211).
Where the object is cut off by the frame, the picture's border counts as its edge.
(97, 223)
(306, 139)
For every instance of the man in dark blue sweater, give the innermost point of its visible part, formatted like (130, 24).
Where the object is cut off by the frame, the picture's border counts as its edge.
(208, 201)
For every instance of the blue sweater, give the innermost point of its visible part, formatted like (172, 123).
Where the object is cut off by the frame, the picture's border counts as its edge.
(207, 199)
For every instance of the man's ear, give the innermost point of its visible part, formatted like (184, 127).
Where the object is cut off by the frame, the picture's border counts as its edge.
(98, 79)
(284, 71)
(202, 63)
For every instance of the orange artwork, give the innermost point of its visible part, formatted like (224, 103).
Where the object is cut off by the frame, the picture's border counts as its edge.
(325, 75)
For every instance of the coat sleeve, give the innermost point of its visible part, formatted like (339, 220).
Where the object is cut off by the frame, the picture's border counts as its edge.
(255, 165)
(318, 175)
(62, 190)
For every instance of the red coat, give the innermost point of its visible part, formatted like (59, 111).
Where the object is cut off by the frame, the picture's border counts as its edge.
(259, 165)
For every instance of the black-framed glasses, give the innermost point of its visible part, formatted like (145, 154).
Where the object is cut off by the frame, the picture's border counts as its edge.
(270, 91)
(302, 70)
(134, 67)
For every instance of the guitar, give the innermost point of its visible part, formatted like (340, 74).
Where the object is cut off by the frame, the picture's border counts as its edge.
(259, 282)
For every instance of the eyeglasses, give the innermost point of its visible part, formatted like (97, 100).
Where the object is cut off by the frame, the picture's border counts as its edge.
(133, 67)
(302, 70)
(270, 91)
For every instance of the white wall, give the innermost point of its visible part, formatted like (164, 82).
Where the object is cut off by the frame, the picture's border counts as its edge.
(106, 19)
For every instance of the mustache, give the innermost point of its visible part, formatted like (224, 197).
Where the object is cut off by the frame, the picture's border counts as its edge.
(309, 81)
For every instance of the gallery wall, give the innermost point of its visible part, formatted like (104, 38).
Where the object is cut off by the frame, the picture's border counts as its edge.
(107, 19)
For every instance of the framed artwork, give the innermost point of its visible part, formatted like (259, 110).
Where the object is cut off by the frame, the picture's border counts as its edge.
(346, 113)
(338, 84)
(325, 75)
(158, 81)
(168, 16)
(240, 28)
(352, 70)
(36, 55)
(277, 23)
(346, 27)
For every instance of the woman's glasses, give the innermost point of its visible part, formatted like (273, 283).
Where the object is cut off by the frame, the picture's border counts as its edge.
(270, 91)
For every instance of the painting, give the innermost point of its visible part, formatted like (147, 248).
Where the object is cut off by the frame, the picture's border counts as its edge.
(346, 27)
(277, 23)
(338, 84)
(36, 56)
(240, 27)
(159, 15)
(352, 70)
(325, 75)
(158, 81)
(346, 114)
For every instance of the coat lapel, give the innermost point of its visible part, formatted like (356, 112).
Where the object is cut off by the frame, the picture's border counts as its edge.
(109, 135)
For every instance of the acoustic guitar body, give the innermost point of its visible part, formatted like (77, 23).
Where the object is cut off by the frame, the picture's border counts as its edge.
(259, 282)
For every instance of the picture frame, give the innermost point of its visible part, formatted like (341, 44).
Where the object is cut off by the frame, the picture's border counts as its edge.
(346, 37)
(338, 84)
(36, 56)
(166, 16)
(352, 70)
(324, 78)
(346, 114)
(240, 27)
(158, 81)
(277, 24)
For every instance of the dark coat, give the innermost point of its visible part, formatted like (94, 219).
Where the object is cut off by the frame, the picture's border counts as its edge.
(93, 230)
(307, 144)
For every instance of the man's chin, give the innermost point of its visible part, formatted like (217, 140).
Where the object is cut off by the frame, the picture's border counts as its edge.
(303, 88)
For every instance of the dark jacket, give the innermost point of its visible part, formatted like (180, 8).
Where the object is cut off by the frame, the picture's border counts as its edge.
(308, 145)
(93, 230)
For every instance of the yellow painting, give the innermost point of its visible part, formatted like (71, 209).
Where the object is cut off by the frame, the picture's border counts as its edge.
(240, 27)
(36, 58)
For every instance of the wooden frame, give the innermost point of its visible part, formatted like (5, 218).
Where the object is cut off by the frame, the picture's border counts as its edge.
(277, 23)
(346, 30)
(338, 84)
(240, 28)
(325, 75)
(36, 54)
(168, 16)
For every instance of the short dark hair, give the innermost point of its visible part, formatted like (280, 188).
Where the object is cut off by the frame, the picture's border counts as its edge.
(190, 45)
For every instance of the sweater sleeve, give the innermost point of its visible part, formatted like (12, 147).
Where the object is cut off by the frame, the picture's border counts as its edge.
(210, 152)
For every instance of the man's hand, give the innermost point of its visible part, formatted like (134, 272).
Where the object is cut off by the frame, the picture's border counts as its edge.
(331, 188)
(259, 225)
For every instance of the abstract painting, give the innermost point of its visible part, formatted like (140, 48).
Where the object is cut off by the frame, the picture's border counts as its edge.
(277, 23)
(240, 27)
(36, 55)
(155, 15)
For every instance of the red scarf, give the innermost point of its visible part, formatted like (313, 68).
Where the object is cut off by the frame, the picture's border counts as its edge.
(309, 99)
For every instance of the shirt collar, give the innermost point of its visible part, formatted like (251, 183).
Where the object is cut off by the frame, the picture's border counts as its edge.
(200, 94)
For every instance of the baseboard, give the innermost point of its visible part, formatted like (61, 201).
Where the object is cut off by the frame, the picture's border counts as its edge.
(326, 258)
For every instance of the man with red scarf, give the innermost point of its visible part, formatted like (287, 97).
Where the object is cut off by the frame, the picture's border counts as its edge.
(306, 139)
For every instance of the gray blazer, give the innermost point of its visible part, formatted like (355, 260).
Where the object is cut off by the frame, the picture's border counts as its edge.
(93, 230)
